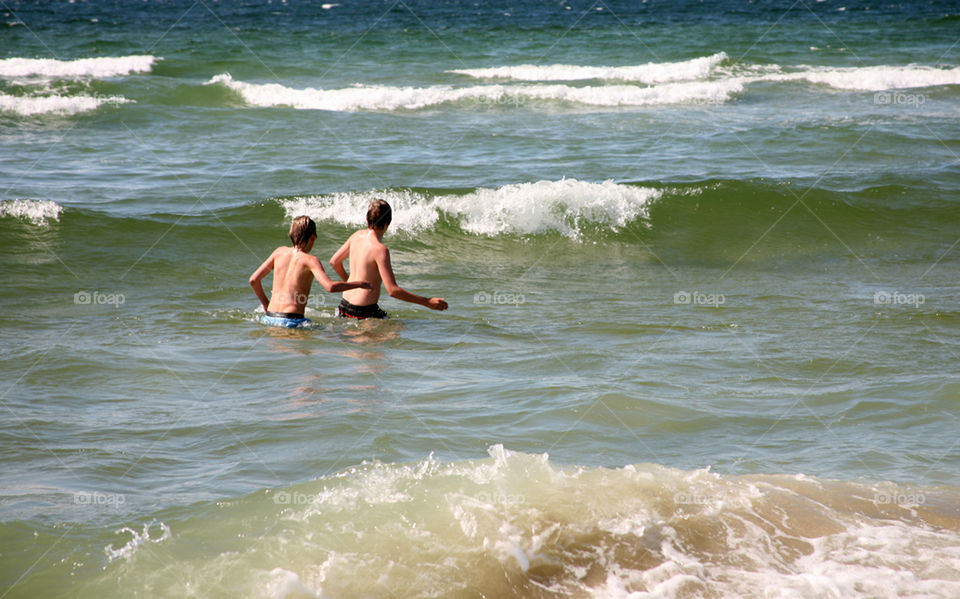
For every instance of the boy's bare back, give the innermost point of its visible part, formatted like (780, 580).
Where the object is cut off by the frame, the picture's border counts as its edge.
(294, 270)
(370, 261)
(365, 253)
(293, 273)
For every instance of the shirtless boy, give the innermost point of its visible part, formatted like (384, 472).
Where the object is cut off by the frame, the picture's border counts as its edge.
(370, 261)
(295, 270)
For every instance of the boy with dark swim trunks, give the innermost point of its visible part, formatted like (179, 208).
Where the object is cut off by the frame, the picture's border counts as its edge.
(294, 270)
(370, 261)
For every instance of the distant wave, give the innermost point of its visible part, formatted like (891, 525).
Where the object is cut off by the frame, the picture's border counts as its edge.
(876, 78)
(871, 78)
(567, 206)
(411, 98)
(95, 68)
(35, 211)
(697, 81)
(663, 72)
(54, 104)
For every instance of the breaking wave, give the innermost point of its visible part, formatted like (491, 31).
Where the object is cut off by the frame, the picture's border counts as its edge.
(95, 68)
(567, 206)
(517, 525)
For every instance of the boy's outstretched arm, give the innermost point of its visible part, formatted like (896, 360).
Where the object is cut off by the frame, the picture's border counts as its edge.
(330, 286)
(395, 291)
(337, 260)
(257, 277)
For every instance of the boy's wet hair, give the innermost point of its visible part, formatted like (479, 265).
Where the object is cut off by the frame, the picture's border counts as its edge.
(379, 214)
(301, 230)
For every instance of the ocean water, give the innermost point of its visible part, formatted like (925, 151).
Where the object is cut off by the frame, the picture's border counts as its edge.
(702, 267)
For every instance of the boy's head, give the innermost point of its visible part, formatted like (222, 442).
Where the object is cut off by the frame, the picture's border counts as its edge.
(379, 215)
(302, 232)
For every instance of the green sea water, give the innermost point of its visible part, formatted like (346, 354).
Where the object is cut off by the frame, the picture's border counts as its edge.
(701, 266)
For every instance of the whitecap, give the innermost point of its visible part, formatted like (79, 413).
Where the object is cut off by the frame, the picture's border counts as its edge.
(389, 98)
(654, 72)
(96, 68)
(32, 105)
(565, 206)
(36, 211)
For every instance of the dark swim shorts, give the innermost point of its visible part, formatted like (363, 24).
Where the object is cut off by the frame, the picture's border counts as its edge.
(359, 312)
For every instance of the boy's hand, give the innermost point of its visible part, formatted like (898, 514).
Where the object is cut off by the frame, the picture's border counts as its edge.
(365, 285)
(437, 303)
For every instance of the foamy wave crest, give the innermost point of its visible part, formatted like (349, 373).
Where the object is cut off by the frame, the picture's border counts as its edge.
(36, 211)
(54, 104)
(95, 68)
(876, 78)
(691, 92)
(663, 72)
(516, 525)
(567, 206)
(412, 98)
(412, 212)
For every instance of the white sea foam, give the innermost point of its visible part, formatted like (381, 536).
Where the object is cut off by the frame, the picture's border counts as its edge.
(138, 539)
(566, 206)
(95, 68)
(388, 98)
(662, 72)
(55, 104)
(412, 212)
(517, 525)
(285, 584)
(699, 81)
(36, 211)
(876, 78)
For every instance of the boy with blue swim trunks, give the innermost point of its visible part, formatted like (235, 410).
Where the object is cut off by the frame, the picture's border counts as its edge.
(294, 271)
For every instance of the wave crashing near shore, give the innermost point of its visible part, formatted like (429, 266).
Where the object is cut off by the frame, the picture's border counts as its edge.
(515, 524)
